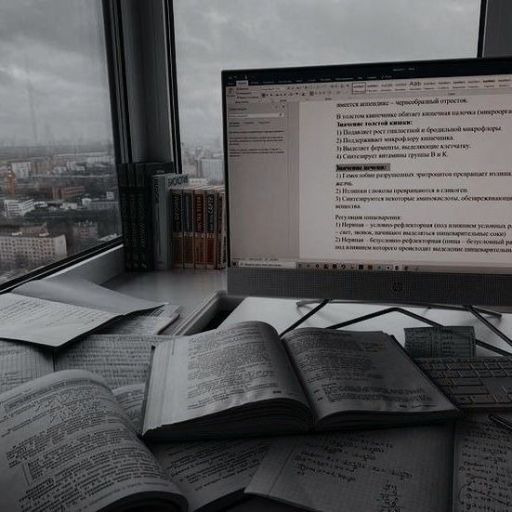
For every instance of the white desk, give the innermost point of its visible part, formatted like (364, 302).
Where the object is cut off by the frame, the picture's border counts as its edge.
(283, 312)
(190, 289)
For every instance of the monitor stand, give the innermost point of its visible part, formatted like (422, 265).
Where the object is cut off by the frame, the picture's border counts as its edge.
(475, 311)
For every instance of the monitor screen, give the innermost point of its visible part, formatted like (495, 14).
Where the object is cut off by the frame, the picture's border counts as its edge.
(377, 182)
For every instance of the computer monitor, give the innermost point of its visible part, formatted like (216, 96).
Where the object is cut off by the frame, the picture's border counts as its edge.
(388, 182)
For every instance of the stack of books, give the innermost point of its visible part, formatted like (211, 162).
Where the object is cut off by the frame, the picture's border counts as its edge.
(198, 234)
(168, 221)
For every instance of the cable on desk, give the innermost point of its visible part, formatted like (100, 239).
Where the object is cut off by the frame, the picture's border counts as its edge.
(423, 319)
(306, 316)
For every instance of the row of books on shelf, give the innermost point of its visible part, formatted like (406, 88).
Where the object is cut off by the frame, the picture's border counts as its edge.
(169, 221)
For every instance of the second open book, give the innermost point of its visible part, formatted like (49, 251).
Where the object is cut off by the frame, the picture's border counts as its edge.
(246, 381)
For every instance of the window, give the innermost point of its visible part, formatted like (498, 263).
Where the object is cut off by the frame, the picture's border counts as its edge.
(56, 143)
(212, 35)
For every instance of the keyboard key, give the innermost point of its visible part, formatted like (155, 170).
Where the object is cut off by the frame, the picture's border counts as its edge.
(462, 400)
(467, 373)
(445, 382)
(492, 365)
(461, 381)
(484, 373)
(451, 373)
(499, 373)
(478, 365)
(502, 398)
(507, 364)
(483, 399)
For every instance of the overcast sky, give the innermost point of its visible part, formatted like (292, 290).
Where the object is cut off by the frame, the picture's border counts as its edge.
(232, 34)
(53, 84)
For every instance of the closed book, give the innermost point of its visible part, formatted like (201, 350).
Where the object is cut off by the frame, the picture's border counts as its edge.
(188, 227)
(210, 229)
(199, 228)
(176, 214)
(162, 221)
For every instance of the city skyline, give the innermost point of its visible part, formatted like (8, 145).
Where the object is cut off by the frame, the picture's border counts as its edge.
(54, 80)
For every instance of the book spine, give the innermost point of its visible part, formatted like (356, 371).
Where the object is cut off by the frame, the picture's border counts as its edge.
(199, 231)
(133, 254)
(176, 246)
(188, 228)
(142, 227)
(162, 223)
(152, 169)
(211, 229)
(122, 180)
(143, 240)
(221, 232)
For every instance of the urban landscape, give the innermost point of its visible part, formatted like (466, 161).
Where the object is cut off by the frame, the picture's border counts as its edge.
(58, 201)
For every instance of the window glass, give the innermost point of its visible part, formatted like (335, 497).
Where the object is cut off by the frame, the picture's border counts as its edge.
(212, 35)
(58, 190)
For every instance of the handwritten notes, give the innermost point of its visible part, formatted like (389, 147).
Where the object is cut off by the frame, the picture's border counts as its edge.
(394, 470)
(482, 466)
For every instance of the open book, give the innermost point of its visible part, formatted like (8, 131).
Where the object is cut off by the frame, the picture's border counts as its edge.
(246, 381)
(67, 444)
(435, 468)
(52, 312)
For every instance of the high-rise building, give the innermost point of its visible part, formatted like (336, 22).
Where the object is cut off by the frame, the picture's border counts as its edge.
(17, 207)
(18, 250)
(21, 169)
(10, 182)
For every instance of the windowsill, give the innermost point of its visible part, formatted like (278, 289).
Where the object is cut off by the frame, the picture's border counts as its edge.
(99, 268)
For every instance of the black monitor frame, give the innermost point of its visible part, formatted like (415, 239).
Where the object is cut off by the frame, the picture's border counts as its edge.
(370, 286)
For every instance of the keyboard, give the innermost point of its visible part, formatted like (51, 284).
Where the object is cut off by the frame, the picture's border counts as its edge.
(472, 382)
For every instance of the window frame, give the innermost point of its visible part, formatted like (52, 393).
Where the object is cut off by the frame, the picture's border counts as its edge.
(145, 102)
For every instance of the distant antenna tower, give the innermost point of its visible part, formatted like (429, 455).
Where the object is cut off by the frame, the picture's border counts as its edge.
(31, 104)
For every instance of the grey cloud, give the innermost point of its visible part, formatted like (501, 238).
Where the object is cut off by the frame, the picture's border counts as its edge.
(53, 69)
(233, 34)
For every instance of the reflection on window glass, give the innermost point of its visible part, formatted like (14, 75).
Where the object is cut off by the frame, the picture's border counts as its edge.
(58, 191)
(212, 35)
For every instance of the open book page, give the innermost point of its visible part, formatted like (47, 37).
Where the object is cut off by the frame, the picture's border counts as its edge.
(216, 370)
(482, 465)
(401, 469)
(44, 322)
(131, 399)
(119, 359)
(360, 371)
(152, 321)
(80, 292)
(65, 444)
(211, 472)
(20, 363)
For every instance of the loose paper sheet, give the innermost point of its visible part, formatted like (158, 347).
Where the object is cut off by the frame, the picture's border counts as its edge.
(482, 465)
(21, 362)
(211, 470)
(119, 359)
(45, 322)
(80, 292)
(401, 469)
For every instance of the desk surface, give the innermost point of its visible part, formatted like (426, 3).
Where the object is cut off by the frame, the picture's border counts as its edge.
(283, 312)
(191, 288)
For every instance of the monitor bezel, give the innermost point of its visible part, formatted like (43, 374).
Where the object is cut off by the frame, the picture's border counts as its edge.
(368, 286)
